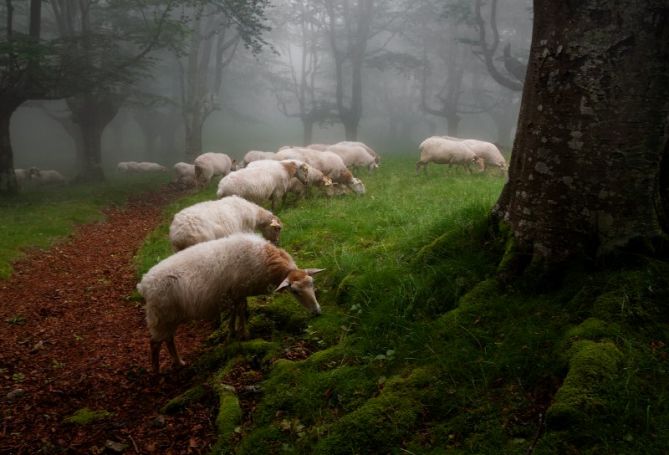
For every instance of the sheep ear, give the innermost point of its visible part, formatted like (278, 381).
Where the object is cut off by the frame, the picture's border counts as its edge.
(284, 284)
(312, 272)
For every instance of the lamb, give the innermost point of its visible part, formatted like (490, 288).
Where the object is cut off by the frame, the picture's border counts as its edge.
(327, 162)
(205, 279)
(185, 174)
(441, 150)
(216, 219)
(488, 152)
(209, 164)
(255, 155)
(45, 177)
(261, 182)
(354, 155)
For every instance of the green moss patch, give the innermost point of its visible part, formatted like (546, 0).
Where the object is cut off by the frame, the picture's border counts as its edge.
(86, 416)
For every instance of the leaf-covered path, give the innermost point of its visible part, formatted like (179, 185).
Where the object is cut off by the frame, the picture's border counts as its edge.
(70, 338)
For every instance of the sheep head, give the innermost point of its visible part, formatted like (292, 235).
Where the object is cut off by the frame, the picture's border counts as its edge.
(301, 284)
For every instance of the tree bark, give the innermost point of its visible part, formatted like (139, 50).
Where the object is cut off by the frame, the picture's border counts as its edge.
(589, 169)
(8, 183)
(308, 131)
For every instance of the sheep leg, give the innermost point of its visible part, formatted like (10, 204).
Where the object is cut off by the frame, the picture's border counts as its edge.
(172, 348)
(418, 165)
(155, 356)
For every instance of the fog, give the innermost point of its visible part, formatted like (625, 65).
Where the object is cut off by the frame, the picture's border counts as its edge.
(270, 75)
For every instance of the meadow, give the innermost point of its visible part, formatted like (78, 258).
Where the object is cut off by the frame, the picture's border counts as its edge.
(420, 350)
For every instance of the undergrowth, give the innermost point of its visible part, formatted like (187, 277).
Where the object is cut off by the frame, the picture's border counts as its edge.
(38, 216)
(420, 350)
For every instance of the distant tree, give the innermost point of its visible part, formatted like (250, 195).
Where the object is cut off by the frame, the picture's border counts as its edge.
(590, 167)
(27, 71)
(298, 73)
(216, 31)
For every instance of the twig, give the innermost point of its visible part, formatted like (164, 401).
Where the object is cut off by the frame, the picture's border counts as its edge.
(133, 443)
(542, 422)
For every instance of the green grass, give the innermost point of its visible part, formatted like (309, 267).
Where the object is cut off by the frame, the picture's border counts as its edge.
(420, 351)
(40, 216)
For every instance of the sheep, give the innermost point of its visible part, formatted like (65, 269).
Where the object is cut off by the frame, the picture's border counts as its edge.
(354, 155)
(185, 174)
(338, 189)
(46, 176)
(126, 166)
(488, 152)
(314, 178)
(147, 166)
(209, 164)
(216, 219)
(328, 163)
(368, 149)
(22, 176)
(207, 278)
(320, 147)
(255, 155)
(266, 180)
(441, 150)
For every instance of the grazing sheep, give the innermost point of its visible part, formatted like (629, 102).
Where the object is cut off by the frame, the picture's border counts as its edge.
(205, 279)
(368, 149)
(328, 163)
(126, 166)
(264, 180)
(354, 155)
(319, 147)
(22, 176)
(441, 150)
(210, 164)
(216, 219)
(147, 166)
(314, 178)
(45, 177)
(488, 152)
(185, 174)
(337, 189)
(256, 155)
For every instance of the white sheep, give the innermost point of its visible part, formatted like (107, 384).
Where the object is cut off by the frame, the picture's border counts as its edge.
(437, 149)
(210, 164)
(314, 178)
(256, 155)
(185, 174)
(488, 152)
(368, 149)
(216, 219)
(265, 180)
(147, 166)
(328, 163)
(354, 155)
(202, 281)
(126, 166)
(45, 176)
(22, 176)
(320, 147)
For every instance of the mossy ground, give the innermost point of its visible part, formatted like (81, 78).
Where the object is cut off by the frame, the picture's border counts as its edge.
(421, 350)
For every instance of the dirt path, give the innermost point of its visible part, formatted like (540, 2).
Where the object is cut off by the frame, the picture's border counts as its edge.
(70, 338)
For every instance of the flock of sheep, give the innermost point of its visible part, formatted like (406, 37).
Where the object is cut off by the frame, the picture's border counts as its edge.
(219, 259)
(38, 176)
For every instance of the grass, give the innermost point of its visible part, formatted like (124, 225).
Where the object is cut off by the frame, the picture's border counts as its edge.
(40, 216)
(419, 350)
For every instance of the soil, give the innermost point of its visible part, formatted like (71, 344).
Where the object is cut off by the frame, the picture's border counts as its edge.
(72, 338)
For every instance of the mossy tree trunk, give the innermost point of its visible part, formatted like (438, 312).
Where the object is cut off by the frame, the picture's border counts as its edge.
(589, 169)
(8, 183)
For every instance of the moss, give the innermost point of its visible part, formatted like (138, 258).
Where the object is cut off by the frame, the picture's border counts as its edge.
(257, 350)
(330, 358)
(592, 329)
(591, 366)
(283, 313)
(192, 395)
(228, 418)
(262, 441)
(485, 291)
(87, 416)
(381, 422)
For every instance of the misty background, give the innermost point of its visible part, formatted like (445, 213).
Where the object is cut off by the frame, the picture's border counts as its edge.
(407, 70)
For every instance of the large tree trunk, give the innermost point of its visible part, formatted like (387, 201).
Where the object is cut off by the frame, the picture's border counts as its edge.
(193, 136)
(592, 132)
(453, 124)
(351, 129)
(8, 183)
(308, 131)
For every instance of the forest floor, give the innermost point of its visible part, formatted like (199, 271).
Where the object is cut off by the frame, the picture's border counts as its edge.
(74, 339)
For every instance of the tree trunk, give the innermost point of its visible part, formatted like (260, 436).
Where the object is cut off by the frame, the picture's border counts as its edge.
(351, 129)
(592, 133)
(453, 124)
(8, 183)
(92, 165)
(308, 131)
(193, 137)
